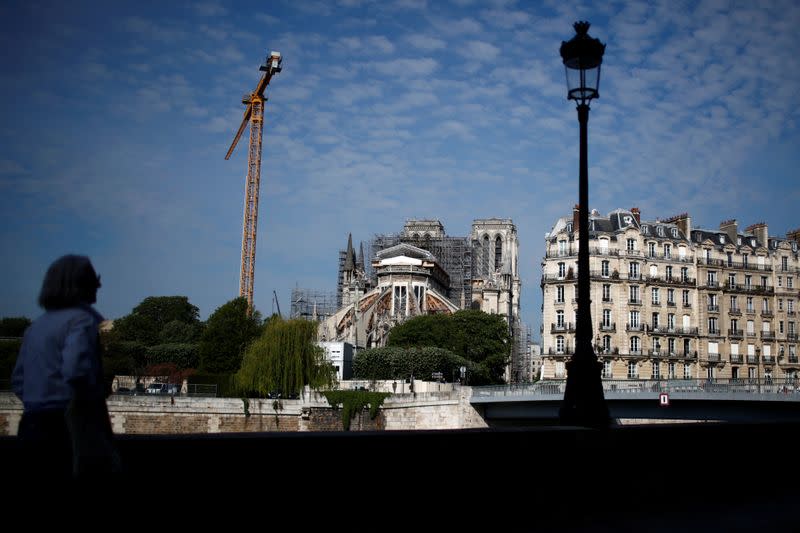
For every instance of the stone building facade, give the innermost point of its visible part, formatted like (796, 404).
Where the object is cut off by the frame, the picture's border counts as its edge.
(671, 302)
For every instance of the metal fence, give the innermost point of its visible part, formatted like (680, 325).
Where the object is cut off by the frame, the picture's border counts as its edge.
(699, 386)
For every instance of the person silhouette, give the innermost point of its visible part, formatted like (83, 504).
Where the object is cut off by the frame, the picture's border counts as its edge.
(65, 429)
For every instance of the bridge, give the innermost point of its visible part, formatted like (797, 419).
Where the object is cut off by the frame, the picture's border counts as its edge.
(673, 399)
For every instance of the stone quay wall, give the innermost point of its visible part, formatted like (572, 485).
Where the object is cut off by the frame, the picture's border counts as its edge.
(187, 415)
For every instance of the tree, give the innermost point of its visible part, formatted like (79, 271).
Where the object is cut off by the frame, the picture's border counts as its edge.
(393, 362)
(284, 358)
(472, 334)
(14, 326)
(227, 333)
(159, 316)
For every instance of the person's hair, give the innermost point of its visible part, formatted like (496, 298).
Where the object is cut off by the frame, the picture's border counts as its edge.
(70, 281)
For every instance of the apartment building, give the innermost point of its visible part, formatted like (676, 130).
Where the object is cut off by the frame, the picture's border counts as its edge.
(674, 302)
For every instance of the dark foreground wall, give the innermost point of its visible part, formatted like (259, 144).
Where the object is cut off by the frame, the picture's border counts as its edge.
(685, 477)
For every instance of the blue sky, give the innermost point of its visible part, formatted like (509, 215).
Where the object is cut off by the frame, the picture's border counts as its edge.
(116, 117)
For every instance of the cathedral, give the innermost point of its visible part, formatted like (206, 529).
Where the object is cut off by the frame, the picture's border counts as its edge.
(422, 270)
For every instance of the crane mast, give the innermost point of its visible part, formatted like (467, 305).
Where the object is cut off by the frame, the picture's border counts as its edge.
(254, 115)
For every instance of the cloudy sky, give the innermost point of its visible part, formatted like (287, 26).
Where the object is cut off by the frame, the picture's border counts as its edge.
(116, 118)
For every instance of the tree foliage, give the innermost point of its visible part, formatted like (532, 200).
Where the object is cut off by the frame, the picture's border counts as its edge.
(472, 334)
(284, 358)
(392, 362)
(160, 319)
(182, 355)
(354, 401)
(14, 326)
(227, 333)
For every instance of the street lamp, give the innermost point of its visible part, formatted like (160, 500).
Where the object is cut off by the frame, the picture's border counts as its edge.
(584, 403)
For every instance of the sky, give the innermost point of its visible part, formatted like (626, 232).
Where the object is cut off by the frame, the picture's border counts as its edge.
(115, 118)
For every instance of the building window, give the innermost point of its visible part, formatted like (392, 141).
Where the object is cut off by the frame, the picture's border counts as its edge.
(604, 269)
(606, 318)
(670, 296)
(560, 344)
(684, 274)
(606, 369)
(712, 326)
(656, 346)
(654, 293)
(560, 294)
(751, 373)
(631, 245)
(744, 260)
(784, 263)
(671, 371)
(780, 304)
(655, 320)
(486, 264)
(751, 327)
(730, 258)
(790, 306)
(671, 346)
(651, 249)
(731, 280)
(632, 372)
(562, 270)
(686, 298)
(780, 281)
(791, 327)
(789, 282)
(562, 248)
(667, 251)
(634, 319)
(748, 281)
(765, 306)
(734, 325)
(634, 293)
(764, 282)
(712, 278)
(734, 307)
(656, 370)
(708, 256)
(635, 345)
(498, 252)
(606, 292)
(560, 319)
(734, 372)
(750, 307)
(419, 297)
(607, 343)
(560, 369)
(400, 302)
(668, 273)
(687, 371)
(671, 321)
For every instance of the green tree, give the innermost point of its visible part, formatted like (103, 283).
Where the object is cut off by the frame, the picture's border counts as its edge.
(392, 362)
(472, 334)
(227, 333)
(153, 315)
(285, 358)
(14, 326)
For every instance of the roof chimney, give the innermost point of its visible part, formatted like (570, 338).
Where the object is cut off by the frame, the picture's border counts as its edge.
(636, 214)
(761, 233)
(731, 229)
(684, 223)
(575, 218)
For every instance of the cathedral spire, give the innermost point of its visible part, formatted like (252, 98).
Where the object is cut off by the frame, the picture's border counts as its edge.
(360, 260)
(349, 255)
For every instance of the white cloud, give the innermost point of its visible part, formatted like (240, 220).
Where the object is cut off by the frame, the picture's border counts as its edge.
(209, 9)
(423, 66)
(479, 51)
(425, 42)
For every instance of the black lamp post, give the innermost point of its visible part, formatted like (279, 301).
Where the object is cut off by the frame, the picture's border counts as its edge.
(584, 403)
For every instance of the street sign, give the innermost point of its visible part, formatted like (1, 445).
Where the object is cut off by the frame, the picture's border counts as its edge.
(437, 375)
(663, 399)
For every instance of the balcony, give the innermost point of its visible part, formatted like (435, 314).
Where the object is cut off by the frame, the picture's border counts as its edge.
(712, 285)
(735, 333)
(757, 289)
(558, 302)
(790, 313)
(714, 358)
(791, 337)
(768, 359)
(687, 304)
(611, 326)
(608, 300)
(733, 264)
(736, 358)
(562, 328)
(767, 313)
(635, 327)
(768, 335)
(565, 352)
(752, 359)
(671, 303)
(714, 333)
(735, 311)
(713, 308)
(634, 301)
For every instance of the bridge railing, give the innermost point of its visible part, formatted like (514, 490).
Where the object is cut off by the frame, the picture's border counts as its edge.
(634, 386)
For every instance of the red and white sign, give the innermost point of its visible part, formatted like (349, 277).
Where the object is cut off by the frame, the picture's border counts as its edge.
(663, 399)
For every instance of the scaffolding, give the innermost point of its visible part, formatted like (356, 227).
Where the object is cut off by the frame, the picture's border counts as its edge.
(521, 361)
(454, 255)
(310, 304)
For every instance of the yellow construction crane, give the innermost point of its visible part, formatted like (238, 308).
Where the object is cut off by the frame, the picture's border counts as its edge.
(254, 114)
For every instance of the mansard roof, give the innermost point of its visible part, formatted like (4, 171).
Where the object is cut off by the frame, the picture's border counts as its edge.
(407, 250)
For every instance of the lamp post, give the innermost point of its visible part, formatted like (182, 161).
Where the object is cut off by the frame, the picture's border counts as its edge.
(584, 403)
(758, 368)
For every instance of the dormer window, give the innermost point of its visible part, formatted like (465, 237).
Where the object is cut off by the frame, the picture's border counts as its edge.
(674, 233)
(722, 239)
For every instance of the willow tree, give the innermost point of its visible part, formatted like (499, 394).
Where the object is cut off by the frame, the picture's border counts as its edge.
(284, 358)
